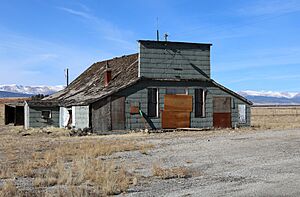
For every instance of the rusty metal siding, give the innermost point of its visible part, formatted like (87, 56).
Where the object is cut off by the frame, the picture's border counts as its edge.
(174, 60)
(222, 120)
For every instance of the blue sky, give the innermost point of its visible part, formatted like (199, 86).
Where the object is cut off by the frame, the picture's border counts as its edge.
(256, 44)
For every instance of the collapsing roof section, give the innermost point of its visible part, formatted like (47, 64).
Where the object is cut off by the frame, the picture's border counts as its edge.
(89, 86)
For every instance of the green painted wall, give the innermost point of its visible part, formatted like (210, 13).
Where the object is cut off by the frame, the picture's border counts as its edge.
(137, 95)
(36, 120)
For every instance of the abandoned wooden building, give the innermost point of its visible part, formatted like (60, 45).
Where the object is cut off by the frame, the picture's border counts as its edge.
(165, 85)
(12, 111)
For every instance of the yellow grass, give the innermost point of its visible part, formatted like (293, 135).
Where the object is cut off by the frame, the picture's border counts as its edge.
(169, 173)
(8, 189)
(73, 162)
(276, 117)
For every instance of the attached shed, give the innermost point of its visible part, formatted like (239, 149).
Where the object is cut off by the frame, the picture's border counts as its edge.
(165, 85)
(41, 114)
(12, 111)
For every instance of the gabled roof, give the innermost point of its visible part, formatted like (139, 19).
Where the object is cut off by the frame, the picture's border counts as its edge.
(89, 86)
(231, 92)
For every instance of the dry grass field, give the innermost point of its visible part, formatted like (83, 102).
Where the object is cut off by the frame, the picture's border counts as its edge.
(37, 160)
(278, 117)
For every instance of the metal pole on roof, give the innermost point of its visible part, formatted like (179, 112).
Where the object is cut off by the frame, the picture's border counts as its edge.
(67, 76)
(157, 32)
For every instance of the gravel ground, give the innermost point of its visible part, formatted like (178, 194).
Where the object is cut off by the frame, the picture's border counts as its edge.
(251, 163)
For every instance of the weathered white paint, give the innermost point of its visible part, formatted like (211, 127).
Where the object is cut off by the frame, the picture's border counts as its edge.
(73, 116)
(80, 117)
(242, 113)
(63, 117)
(26, 116)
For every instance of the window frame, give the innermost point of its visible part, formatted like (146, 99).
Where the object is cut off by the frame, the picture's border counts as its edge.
(50, 114)
(199, 103)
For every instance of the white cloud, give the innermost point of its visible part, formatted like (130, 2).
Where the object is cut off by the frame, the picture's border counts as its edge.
(103, 28)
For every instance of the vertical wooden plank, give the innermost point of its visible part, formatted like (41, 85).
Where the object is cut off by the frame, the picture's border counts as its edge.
(118, 114)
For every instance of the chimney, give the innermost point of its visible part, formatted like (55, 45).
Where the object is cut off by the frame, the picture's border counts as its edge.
(107, 77)
(107, 74)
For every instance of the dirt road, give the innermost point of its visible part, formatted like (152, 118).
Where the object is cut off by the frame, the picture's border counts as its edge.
(260, 163)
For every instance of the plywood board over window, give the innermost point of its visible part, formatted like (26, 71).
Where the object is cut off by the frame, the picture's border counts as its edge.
(177, 111)
(178, 103)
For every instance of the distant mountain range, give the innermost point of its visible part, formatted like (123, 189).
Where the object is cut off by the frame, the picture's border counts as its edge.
(257, 97)
(272, 97)
(28, 90)
(4, 94)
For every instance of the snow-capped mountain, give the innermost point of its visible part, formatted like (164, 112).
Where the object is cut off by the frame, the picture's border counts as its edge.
(272, 97)
(33, 90)
(269, 94)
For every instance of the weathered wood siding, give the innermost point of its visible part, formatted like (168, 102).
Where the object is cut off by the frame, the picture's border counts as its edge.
(36, 120)
(174, 60)
(137, 95)
(101, 118)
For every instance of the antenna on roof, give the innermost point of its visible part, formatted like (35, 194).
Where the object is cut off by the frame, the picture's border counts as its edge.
(166, 37)
(157, 32)
(106, 65)
(67, 76)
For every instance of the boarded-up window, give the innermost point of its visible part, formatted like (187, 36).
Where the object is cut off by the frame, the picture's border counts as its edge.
(200, 96)
(242, 113)
(152, 102)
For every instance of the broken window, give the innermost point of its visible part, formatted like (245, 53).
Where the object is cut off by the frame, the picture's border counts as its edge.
(152, 102)
(200, 97)
(46, 114)
(242, 113)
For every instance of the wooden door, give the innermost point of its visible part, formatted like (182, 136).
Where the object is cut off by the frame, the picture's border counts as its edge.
(177, 110)
(118, 114)
(222, 112)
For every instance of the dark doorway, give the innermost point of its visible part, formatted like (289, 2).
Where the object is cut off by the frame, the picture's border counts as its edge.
(19, 115)
(9, 114)
(14, 115)
(222, 112)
